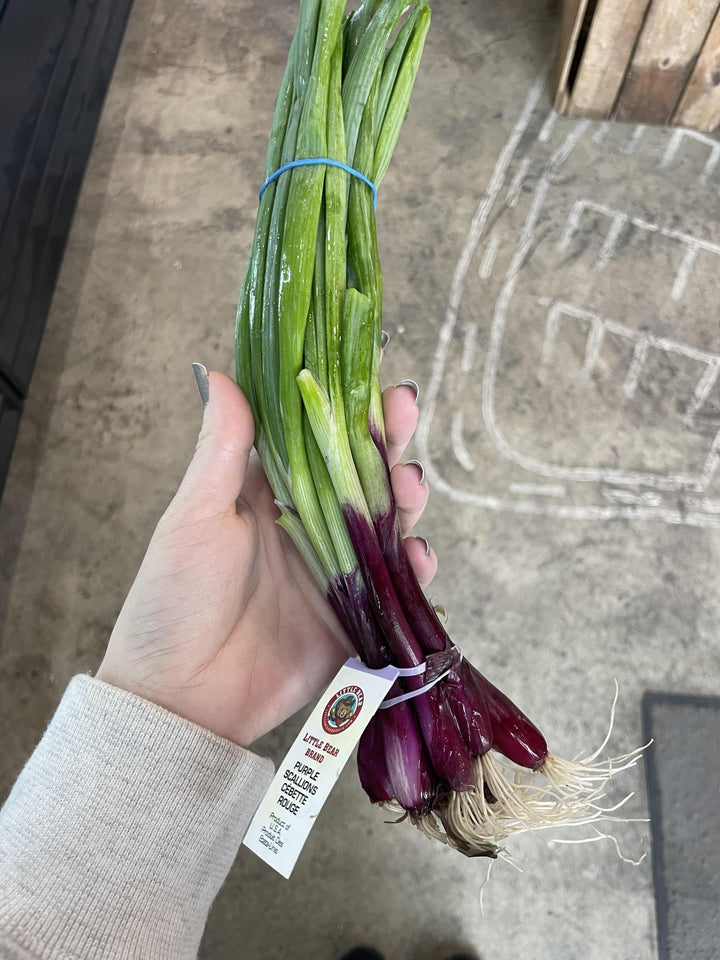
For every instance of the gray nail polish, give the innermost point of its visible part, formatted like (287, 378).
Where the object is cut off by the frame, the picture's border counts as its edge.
(384, 339)
(411, 383)
(420, 467)
(203, 382)
(427, 545)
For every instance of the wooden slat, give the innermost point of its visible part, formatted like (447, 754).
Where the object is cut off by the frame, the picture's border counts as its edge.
(700, 103)
(613, 32)
(571, 20)
(671, 37)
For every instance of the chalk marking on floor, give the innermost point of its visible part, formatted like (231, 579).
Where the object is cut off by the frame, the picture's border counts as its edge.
(705, 385)
(645, 499)
(511, 198)
(691, 511)
(488, 260)
(458, 443)
(618, 220)
(711, 463)
(469, 344)
(672, 148)
(551, 331)
(634, 139)
(593, 347)
(706, 504)
(537, 508)
(683, 272)
(632, 377)
(643, 342)
(675, 142)
(538, 489)
(601, 132)
(477, 226)
(548, 127)
(607, 250)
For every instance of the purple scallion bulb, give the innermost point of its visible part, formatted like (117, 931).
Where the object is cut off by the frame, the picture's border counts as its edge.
(372, 767)
(448, 752)
(411, 775)
(514, 735)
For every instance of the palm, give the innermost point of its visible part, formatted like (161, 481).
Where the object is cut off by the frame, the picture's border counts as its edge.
(286, 640)
(224, 624)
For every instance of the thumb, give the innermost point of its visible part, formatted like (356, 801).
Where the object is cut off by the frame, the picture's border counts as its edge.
(213, 481)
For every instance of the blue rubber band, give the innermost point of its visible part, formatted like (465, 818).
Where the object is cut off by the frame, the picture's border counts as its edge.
(315, 161)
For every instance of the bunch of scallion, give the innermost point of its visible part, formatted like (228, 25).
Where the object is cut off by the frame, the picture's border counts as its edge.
(308, 353)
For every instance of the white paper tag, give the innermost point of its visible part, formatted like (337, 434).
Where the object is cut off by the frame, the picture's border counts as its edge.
(312, 766)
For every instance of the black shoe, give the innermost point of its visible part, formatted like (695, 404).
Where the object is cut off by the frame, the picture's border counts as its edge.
(362, 953)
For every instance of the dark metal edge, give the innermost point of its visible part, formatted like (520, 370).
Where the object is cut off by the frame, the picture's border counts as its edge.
(651, 699)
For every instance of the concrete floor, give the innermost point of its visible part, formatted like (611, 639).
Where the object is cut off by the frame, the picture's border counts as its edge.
(548, 282)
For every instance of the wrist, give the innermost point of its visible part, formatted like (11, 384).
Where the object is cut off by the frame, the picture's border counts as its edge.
(191, 701)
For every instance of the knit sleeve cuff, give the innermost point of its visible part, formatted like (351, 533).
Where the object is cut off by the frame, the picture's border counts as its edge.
(121, 829)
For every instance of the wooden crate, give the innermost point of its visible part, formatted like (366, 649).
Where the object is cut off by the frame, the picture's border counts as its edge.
(641, 61)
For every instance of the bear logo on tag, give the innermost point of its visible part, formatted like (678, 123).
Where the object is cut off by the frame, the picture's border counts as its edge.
(342, 709)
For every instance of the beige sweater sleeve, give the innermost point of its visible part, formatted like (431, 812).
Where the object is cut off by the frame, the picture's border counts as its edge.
(120, 830)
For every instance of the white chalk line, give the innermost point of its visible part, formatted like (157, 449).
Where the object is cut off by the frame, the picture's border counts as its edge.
(560, 308)
(676, 140)
(608, 248)
(704, 503)
(552, 325)
(472, 239)
(488, 260)
(692, 518)
(643, 343)
(511, 198)
(705, 385)
(645, 499)
(601, 132)
(672, 148)
(634, 139)
(593, 347)
(683, 272)
(458, 443)
(548, 127)
(469, 345)
(635, 369)
(538, 489)
(661, 343)
(580, 206)
(712, 162)
(619, 220)
(711, 463)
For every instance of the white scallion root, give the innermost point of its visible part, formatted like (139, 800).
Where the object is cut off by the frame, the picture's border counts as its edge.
(509, 801)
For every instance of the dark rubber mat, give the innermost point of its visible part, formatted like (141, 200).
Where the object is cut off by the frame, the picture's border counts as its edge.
(683, 775)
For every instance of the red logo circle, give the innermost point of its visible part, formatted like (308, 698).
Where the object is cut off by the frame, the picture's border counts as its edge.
(342, 709)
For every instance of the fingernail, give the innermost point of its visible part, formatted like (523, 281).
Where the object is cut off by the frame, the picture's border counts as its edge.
(427, 545)
(384, 339)
(411, 383)
(420, 467)
(203, 382)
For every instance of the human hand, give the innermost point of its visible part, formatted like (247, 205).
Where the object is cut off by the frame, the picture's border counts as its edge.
(224, 625)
